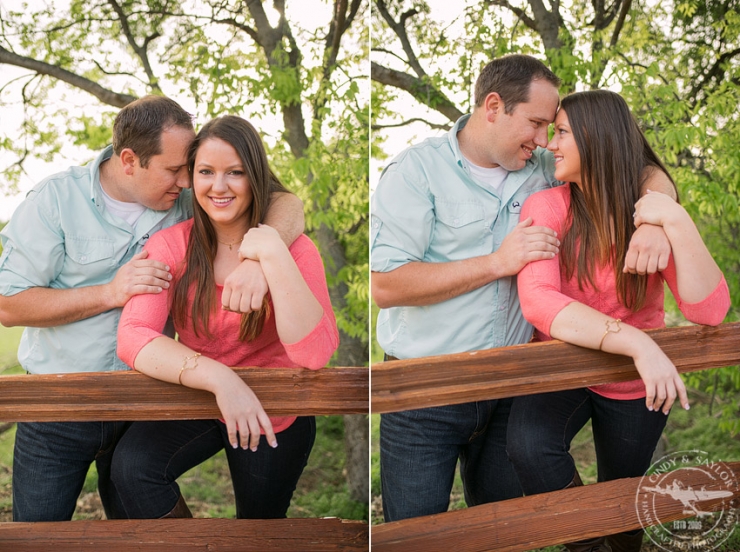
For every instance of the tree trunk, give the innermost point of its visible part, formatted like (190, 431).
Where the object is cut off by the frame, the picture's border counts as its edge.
(356, 437)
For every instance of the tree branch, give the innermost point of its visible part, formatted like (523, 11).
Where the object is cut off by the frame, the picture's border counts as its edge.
(268, 39)
(520, 13)
(390, 53)
(410, 121)
(422, 91)
(140, 51)
(715, 72)
(340, 23)
(103, 94)
(626, 5)
(399, 28)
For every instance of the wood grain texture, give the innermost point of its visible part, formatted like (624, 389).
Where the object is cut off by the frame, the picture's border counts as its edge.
(186, 535)
(537, 368)
(130, 395)
(548, 519)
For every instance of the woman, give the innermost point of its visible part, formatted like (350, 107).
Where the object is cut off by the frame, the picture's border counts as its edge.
(231, 182)
(585, 298)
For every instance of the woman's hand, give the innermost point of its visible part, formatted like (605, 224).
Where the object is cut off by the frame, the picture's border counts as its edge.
(662, 382)
(245, 288)
(260, 241)
(243, 414)
(658, 209)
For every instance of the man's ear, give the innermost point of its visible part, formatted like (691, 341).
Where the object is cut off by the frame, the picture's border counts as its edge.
(129, 161)
(494, 106)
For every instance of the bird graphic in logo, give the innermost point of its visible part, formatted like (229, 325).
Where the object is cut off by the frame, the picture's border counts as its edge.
(688, 496)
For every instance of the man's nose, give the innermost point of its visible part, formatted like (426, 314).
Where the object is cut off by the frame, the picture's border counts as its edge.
(541, 137)
(183, 178)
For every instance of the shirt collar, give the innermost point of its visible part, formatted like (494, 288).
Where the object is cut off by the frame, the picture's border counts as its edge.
(96, 190)
(454, 144)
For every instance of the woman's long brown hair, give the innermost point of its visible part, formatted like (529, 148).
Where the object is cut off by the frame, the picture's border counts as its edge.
(615, 160)
(197, 271)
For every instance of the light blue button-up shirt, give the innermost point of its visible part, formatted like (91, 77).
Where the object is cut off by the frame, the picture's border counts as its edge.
(428, 208)
(62, 237)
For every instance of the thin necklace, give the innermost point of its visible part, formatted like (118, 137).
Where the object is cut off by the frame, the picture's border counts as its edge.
(229, 244)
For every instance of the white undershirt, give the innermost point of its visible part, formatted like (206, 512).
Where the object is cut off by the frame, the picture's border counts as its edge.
(130, 212)
(491, 177)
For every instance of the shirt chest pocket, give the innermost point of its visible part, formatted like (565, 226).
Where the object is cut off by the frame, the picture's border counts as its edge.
(515, 203)
(461, 231)
(88, 259)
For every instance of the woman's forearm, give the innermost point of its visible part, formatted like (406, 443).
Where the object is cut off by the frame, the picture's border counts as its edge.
(297, 311)
(165, 359)
(582, 325)
(697, 274)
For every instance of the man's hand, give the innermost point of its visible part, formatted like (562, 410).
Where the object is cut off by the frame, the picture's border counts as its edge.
(660, 210)
(260, 241)
(244, 288)
(139, 275)
(524, 244)
(648, 252)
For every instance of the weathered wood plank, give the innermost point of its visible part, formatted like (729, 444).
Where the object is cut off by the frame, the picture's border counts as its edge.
(536, 368)
(130, 395)
(186, 535)
(544, 520)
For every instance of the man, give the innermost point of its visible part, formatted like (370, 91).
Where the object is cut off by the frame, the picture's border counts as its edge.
(72, 258)
(446, 245)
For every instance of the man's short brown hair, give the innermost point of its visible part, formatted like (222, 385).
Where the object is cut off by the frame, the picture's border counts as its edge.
(510, 77)
(140, 124)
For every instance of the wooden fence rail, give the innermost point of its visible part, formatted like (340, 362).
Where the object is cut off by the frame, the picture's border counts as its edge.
(186, 535)
(537, 368)
(553, 518)
(130, 395)
(543, 520)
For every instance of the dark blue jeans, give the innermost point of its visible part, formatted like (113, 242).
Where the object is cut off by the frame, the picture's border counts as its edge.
(152, 455)
(419, 450)
(50, 462)
(541, 428)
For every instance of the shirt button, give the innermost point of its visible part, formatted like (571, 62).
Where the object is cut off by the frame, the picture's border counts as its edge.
(375, 225)
(83, 258)
(456, 221)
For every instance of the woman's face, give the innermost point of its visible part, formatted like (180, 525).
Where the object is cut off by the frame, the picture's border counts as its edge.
(563, 146)
(220, 183)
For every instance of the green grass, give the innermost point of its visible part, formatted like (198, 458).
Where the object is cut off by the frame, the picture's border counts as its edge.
(321, 492)
(9, 339)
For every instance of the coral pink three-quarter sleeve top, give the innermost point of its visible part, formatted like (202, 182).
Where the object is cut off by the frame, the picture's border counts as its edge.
(144, 318)
(544, 291)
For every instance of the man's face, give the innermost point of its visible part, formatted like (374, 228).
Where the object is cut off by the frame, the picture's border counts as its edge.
(513, 136)
(159, 184)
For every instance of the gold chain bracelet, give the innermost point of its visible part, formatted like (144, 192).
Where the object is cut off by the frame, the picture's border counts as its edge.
(185, 366)
(610, 330)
